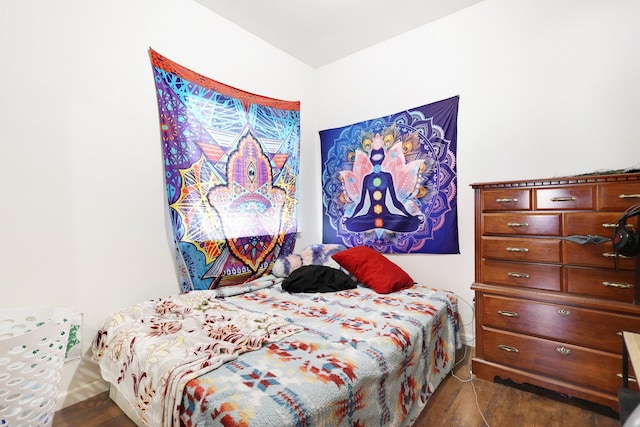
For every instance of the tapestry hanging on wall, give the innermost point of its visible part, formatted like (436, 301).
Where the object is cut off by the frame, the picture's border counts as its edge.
(231, 161)
(390, 183)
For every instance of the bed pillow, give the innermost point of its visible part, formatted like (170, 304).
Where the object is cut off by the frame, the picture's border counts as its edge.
(319, 254)
(317, 278)
(284, 266)
(373, 269)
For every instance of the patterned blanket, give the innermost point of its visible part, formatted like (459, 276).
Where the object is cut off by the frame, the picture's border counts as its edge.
(363, 359)
(358, 357)
(151, 350)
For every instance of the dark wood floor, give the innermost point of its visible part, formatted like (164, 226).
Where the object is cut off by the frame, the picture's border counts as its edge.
(96, 411)
(457, 403)
(453, 404)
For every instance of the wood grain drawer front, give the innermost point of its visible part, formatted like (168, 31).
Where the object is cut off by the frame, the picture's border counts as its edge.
(575, 364)
(592, 223)
(618, 196)
(522, 224)
(595, 255)
(575, 325)
(521, 249)
(506, 200)
(601, 283)
(522, 274)
(564, 198)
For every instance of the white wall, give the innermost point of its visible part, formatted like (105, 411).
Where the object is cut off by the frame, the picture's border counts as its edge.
(547, 88)
(82, 218)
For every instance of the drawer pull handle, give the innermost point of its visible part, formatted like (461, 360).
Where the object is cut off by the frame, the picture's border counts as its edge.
(518, 275)
(613, 255)
(608, 225)
(563, 199)
(508, 348)
(612, 225)
(563, 351)
(563, 312)
(617, 285)
(517, 224)
(629, 196)
(631, 378)
(507, 200)
(508, 313)
(521, 250)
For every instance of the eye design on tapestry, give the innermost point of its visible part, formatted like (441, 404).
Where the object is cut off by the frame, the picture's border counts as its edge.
(249, 205)
(390, 183)
(231, 161)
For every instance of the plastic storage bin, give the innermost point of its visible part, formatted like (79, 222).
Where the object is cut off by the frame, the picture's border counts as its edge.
(33, 343)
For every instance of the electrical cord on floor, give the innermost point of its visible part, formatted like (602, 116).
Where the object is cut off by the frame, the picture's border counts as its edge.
(470, 379)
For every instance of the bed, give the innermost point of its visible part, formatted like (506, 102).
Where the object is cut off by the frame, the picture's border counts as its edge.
(257, 354)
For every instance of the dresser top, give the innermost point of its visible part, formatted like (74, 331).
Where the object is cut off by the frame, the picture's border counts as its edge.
(565, 180)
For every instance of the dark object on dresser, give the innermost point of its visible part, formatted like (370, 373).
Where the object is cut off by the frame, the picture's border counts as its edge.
(625, 237)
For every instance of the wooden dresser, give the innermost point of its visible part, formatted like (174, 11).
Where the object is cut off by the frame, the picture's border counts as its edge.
(550, 311)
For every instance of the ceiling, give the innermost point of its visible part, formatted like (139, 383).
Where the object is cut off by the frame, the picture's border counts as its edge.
(319, 32)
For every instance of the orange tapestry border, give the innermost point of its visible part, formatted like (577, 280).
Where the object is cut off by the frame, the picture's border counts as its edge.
(250, 98)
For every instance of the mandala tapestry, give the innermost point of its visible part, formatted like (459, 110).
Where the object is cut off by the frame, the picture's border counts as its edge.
(390, 183)
(231, 162)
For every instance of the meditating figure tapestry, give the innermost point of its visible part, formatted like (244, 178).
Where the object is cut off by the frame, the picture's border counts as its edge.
(231, 161)
(390, 183)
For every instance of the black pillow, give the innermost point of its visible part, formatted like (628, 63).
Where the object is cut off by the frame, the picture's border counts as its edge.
(317, 278)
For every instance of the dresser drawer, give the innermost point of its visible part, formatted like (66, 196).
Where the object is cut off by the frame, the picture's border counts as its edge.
(506, 200)
(575, 364)
(593, 223)
(521, 249)
(601, 283)
(580, 326)
(522, 274)
(595, 255)
(522, 224)
(618, 196)
(566, 198)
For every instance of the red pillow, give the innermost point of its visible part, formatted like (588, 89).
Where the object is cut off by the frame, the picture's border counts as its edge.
(373, 269)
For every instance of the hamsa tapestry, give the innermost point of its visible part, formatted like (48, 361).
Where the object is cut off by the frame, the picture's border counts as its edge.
(390, 183)
(231, 161)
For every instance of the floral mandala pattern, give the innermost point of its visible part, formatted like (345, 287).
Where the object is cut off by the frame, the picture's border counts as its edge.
(390, 183)
(231, 162)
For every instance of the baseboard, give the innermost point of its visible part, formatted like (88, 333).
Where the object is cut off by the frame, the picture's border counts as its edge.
(78, 394)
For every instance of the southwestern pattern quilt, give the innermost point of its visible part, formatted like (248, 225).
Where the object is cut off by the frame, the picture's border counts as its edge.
(348, 358)
(231, 162)
(390, 183)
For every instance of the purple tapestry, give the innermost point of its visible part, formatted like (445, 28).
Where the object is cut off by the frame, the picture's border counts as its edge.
(390, 183)
(231, 162)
